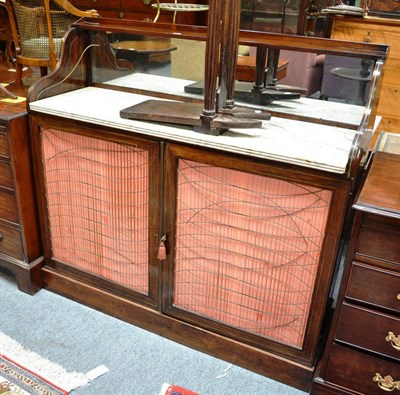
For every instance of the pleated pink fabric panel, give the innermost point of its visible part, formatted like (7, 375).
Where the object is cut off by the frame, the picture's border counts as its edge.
(97, 197)
(248, 249)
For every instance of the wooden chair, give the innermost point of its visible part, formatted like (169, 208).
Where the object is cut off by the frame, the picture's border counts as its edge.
(176, 7)
(38, 27)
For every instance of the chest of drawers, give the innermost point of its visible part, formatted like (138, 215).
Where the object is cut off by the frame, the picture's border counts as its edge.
(20, 249)
(380, 31)
(363, 349)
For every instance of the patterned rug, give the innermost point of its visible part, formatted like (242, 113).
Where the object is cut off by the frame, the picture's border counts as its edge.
(15, 379)
(23, 372)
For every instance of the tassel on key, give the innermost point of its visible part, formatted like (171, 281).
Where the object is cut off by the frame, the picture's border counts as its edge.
(162, 251)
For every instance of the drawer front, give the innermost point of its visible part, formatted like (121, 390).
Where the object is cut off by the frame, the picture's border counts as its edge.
(356, 371)
(8, 206)
(105, 8)
(10, 242)
(369, 330)
(361, 32)
(379, 240)
(6, 179)
(389, 100)
(4, 149)
(139, 5)
(377, 287)
(391, 125)
(94, 4)
(144, 16)
(391, 74)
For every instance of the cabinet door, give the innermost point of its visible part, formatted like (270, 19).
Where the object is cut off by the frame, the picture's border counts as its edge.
(250, 249)
(101, 208)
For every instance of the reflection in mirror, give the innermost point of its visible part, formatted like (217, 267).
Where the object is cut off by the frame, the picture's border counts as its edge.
(275, 16)
(173, 68)
(346, 79)
(163, 56)
(317, 76)
(147, 54)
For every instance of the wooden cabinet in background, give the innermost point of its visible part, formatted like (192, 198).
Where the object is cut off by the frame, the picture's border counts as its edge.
(20, 249)
(122, 9)
(141, 10)
(279, 16)
(363, 349)
(380, 31)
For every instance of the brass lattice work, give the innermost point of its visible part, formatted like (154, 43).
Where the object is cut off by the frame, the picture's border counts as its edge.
(97, 197)
(248, 249)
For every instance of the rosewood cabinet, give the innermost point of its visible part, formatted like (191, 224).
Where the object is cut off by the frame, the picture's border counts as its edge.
(20, 250)
(226, 243)
(249, 245)
(362, 353)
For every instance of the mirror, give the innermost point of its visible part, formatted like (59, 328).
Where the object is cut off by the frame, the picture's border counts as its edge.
(313, 75)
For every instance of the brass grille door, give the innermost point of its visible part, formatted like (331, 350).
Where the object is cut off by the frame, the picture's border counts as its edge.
(247, 252)
(97, 198)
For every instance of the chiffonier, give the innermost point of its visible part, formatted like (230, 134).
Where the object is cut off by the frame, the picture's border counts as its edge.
(20, 246)
(384, 31)
(226, 243)
(363, 351)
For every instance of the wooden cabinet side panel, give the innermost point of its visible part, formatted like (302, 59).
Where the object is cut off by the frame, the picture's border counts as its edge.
(21, 163)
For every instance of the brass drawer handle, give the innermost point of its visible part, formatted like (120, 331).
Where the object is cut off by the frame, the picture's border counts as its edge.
(394, 340)
(1, 237)
(398, 296)
(386, 383)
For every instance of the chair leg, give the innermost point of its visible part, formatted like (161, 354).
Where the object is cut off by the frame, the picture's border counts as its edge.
(10, 52)
(43, 71)
(18, 74)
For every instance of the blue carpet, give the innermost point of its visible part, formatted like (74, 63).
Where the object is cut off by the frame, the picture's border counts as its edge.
(80, 339)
